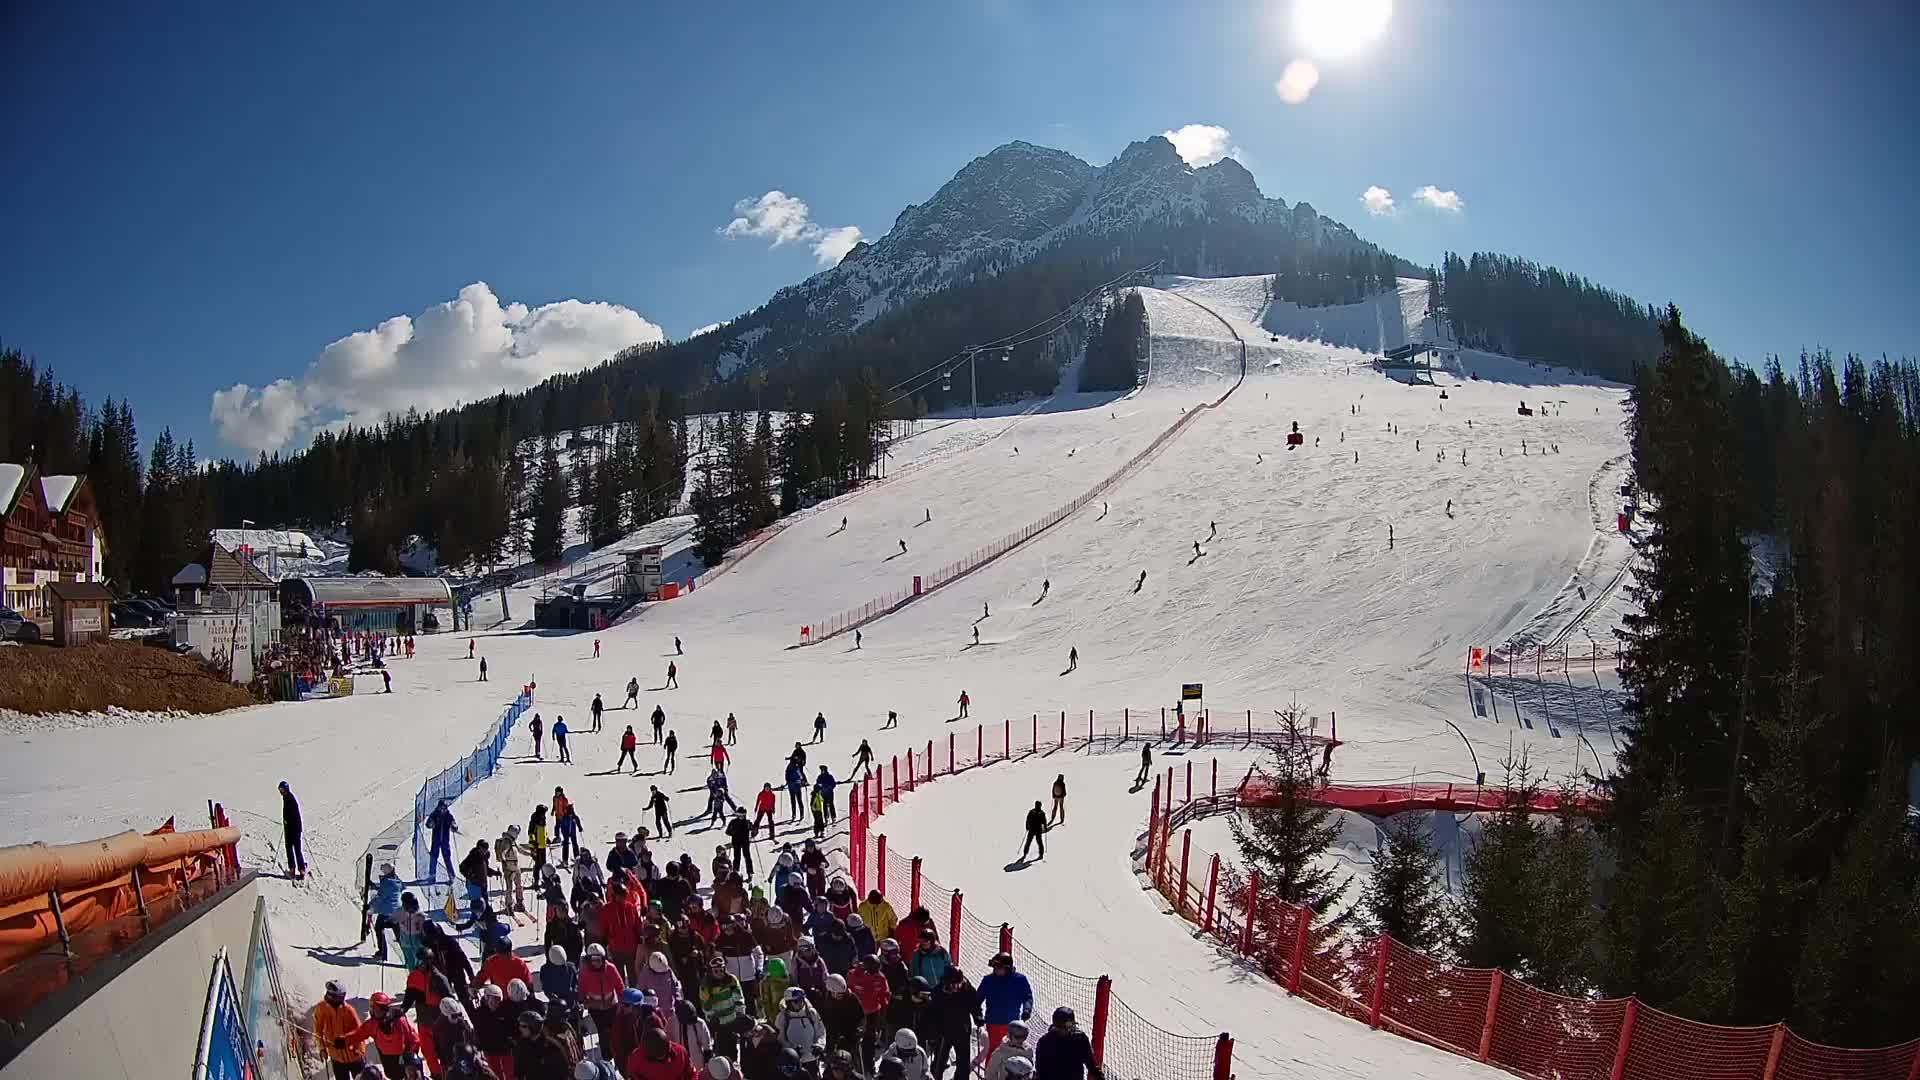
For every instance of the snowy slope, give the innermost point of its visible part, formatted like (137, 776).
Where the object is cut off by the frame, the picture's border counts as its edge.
(1297, 594)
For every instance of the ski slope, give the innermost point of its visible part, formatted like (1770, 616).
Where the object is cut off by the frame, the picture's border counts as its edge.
(1298, 595)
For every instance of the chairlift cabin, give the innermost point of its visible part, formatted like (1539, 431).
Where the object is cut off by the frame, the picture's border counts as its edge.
(946, 380)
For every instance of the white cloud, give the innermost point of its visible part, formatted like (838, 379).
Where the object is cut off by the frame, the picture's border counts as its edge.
(1378, 201)
(1449, 201)
(461, 350)
(1201, 145)
(707, 329)
(785, 219)
(1297, 81)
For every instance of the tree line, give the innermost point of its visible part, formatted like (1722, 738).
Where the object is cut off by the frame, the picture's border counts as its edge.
(1517, 307)
(1757, 860)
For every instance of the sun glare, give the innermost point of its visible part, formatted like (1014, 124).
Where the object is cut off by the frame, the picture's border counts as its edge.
(1332, 29)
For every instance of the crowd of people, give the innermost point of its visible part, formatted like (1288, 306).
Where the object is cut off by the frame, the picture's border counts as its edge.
(667, 970)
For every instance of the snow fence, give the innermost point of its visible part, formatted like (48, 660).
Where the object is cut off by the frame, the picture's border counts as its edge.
(1480, 1013)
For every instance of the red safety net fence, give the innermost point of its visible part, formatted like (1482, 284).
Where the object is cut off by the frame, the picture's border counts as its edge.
(1129, 1046)
(860, 615)
(1479, 1013)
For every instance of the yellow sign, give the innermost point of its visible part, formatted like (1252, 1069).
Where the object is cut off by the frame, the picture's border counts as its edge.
(340, 686)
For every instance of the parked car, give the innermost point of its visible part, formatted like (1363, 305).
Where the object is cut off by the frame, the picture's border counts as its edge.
(157, 612)
(129, 616)
(17, 627)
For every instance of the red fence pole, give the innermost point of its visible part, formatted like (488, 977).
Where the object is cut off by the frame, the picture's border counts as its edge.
(979, 744)
(1298, 961)
(1102, 995)
(1063, 729)
(1385, 946)
(1186, 850)
(1189, 780)
(896, 778)
(926, 763)
(1253, 908)
(1493, 1011)
(880, 865)
(1089, 728)
(953, 929)
(1213, 887)
(1626, 1039)
(909, 768)
(1153, 822)
(1006, 739)
(1006, 939)
(1914, 1073)
(1773, 1051)
(1126, 723)
(1223, 1058)
(914, 893)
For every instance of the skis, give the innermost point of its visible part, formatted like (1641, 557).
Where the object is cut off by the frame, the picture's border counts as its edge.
(366, 900)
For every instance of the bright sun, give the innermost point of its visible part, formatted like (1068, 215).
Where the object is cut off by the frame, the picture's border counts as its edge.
(1332, 29)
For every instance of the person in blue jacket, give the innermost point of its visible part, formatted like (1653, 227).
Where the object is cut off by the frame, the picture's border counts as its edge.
(796, 783)
(824, 784)
(1005, 996)
(441, 823)
(383, 907)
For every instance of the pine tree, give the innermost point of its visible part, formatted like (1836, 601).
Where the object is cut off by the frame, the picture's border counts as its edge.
(1286, 837)
(1404, 898)
(1500, 903)
(1662, 911)
(1564, 955)
(548, 517)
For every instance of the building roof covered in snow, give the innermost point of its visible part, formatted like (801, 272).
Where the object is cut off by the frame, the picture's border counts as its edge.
(287, 543)
(58, 490)
(368, 591)
(10, 477)
(55, 491)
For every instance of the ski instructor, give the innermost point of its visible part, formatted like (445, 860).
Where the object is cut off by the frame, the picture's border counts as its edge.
(290, 824)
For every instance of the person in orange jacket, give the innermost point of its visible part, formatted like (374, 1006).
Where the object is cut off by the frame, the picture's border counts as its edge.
(334, 1023)
(657, 1058)
(392, 1033)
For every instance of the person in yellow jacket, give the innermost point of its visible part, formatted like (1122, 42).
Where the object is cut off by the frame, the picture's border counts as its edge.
(333, 1021)
(879, 916)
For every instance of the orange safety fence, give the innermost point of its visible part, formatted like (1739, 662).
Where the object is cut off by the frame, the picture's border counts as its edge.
(1480, 1013)
(51, 892)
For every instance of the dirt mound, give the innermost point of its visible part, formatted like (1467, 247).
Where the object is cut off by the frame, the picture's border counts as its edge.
(90, 678)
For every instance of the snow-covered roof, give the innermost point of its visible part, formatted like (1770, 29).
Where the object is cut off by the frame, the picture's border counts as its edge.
(286, 542)
(191, 574)
(10, 477)
(57, 490)
(371, 591)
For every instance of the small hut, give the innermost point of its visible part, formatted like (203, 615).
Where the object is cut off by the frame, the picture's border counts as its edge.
(79, 611)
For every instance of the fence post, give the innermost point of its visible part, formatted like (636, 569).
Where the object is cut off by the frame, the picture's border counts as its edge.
(953, 930)
(909, 768)
(881, 864)
(1249, 725)
(1213, 887)
(1063, 729)
(896, 777)
(1186, 850)
(1126, 723)
(914, 893)
(1493, 1010)
(950, 759)
(1385, 947)
(1213, 786)
(1298, 964)
(1626, 1039)
(1223, 1058)
(1253, 908)
(979, 744)
(1773, 1051)
(1163, 721)
(1006, 739)
(1189, 780)
(1006, 939)
(1102, 995)
(1914, 1073)
(1036, 733)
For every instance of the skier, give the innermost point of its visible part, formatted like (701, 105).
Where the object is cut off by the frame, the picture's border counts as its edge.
(903, 547)
(1065, 1052)
(560, 739)
(893, 720)
(823, 786)
(387, 678)
(659, 722)
(598, 707)
(678, 649)
(441, 826)
(714, 735)
(1059, 800)
(673, 747)
(965, 701)
(1045, 585)
(596, 648)
(843, 524)
(928, 519)
(1036, 831)
(1213, 529)
(857, 637)
(1141, 583)
(796, 783)
(1196, 549)
(673, 675)
(291, 826)
(1146, 766)
(568, 823)
(1389, 537)
(819, 727)
(1073, 658)
(798, 757)
(763, 809)
(476, 869)
(986, 611)
(483, 669)
(1006, 997)
(657, 802)
(863, 757)
(383, 905)
(506, 852)
(741, 833)
(719, 756)
(717, 798)
(976, 635)
(1449, 507)
(733, 730)
(537, 729)
(819, 807)
(628, 742)
(469, 648)
(633, 697)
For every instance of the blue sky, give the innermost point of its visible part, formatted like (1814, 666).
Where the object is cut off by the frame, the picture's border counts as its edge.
(201, 196)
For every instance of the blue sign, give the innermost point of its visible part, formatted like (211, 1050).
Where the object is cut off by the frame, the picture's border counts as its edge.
(225, 1051)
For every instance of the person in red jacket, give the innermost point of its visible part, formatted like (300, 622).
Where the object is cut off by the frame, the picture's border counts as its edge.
(869, 984)
(629, 743)
(763, 804)
(600, 987)
(658, 1059)
(620, 923)
(502, 967)
(911, 928)
(392, 1033)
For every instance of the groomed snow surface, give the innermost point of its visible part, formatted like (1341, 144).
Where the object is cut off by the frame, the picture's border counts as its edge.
(1296, 596)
